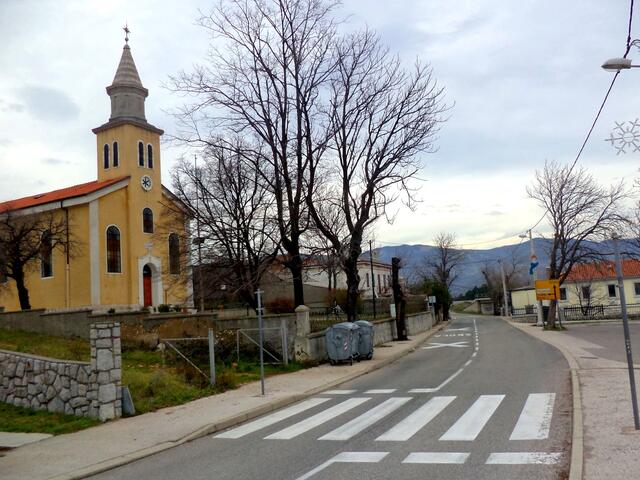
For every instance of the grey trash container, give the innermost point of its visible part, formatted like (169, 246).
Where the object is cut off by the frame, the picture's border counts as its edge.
(365, 345)
(341, 341)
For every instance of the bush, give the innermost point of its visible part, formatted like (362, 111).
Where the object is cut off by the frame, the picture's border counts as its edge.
(163, 308)
(280, 305)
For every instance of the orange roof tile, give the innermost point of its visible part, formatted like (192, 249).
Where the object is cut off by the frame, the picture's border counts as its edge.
(584, 272)
(57, 195)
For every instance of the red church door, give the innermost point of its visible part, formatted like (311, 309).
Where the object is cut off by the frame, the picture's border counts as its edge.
(146, 282)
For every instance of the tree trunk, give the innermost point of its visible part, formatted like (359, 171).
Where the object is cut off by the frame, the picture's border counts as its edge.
(23, 293)
(295, 267)
(551, 319)
(353, 288)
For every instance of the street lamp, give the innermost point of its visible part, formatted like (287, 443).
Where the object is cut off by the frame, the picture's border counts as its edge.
(540, 322)
(617, 64)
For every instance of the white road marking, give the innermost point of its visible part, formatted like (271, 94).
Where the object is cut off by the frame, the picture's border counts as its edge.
(423, 390)
(347, 457)
(317, 419)
(380, 390)
(469, 425)
(358, 424)
(338, 392)
(463, 329)
(523, 458)
(436, 457)
(441, 345)
(413, 423)
(271, 419)
(535, 420)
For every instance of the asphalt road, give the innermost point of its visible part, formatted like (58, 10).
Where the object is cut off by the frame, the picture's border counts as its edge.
(480, 400)
(608, 339)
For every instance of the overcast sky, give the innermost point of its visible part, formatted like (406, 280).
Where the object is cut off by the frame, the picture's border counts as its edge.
(525, 77)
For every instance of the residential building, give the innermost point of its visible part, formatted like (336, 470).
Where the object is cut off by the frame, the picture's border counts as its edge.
(128, 248)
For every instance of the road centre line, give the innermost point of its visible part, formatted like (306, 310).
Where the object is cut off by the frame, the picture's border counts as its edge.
(475, 352)
(534, 422)
(469, 425)
(317, 419)
(347, 457)
(268, 420)
(436, 457)
(358, 424)
(417, 420)
(523, 458)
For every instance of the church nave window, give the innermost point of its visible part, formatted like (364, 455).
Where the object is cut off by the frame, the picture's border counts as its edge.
(140, 154)
(105, 155)
(149, 156)
(116, 155)
(113, 250)
(46, 255)
(147, 220)
(174, 254)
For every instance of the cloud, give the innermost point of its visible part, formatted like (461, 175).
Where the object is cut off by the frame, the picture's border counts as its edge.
(495, 213)
(48, 104)
(8, 107)
(55, 161)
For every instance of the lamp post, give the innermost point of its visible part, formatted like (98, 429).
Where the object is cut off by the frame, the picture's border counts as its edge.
(534, 275)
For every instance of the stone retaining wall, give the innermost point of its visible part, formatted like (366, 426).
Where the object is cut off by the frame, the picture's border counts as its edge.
(79, 388)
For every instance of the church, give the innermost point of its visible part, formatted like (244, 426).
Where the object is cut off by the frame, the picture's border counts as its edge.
(129, 232)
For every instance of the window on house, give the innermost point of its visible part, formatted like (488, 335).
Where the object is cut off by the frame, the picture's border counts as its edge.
(114, 262)
(636, 289)
(3, 266)
(141, 154)
(116, 154)
(105, 155)
(174, 254)
(149, 156)
(147, 220)
(563, 293)
(379, 286)
(612, 290)
(367, 282)
(46, 255)
(586, 292)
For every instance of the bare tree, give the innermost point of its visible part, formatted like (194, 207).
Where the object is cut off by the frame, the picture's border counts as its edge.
(579, 212)
(442, 264)
(235, 213)
(29, 241)
(381, 117)
(273, 58)
(514, 275)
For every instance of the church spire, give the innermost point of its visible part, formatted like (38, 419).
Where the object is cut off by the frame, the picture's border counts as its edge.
(126, 91)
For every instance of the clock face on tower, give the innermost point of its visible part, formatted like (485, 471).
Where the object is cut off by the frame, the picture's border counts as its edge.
(146, 182)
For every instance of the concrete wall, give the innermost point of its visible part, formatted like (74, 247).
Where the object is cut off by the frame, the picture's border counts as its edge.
(78, 388)
(312, 345)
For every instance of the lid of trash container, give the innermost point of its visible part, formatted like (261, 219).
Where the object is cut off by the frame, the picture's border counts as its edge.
(363, 323)
(346, 326)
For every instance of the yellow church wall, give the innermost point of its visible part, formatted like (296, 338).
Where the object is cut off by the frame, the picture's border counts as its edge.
(51, 292)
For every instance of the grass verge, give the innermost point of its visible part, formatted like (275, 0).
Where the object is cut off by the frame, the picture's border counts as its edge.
(25, 420)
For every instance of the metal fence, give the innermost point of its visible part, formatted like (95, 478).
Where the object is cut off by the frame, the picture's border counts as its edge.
(586, 312)
(528, 310)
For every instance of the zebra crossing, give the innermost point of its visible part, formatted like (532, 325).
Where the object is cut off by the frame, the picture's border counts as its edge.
(533, 423)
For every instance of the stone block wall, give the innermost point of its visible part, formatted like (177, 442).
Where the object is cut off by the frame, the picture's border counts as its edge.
(79, 388)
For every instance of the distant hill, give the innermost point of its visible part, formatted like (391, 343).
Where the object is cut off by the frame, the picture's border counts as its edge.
(469, 273)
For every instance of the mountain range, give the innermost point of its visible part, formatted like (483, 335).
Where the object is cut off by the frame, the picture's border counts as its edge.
(413, 259)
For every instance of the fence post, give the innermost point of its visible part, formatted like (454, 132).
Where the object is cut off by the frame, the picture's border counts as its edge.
(303, 329)
(212, 357)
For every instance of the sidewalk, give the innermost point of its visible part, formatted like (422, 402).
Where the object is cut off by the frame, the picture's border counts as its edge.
(97, 449)
(607, 442)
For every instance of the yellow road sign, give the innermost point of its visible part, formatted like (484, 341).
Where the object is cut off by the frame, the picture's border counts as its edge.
(547, 289)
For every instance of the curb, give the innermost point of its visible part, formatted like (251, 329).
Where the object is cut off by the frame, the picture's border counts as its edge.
(577, 434)
(239, 418)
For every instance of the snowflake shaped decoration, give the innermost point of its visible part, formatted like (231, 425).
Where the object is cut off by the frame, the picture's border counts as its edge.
(625, 135)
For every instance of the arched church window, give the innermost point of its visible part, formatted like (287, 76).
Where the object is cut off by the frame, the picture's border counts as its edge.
(149, 156)
(116, 155)
(147, 220)
(114, 263)
(46, 255)
(105, 155)
(174, 254)
(141, 154)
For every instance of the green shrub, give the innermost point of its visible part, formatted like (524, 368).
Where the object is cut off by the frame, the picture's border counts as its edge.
(163, 308)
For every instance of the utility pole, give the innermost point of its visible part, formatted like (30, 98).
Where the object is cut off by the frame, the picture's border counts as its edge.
(627, 336)
(398, 299)
(373, 282)
(199, 239)
(534, 276)
(504, 290)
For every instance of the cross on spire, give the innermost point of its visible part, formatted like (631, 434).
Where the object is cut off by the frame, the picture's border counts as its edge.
(126, 33)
